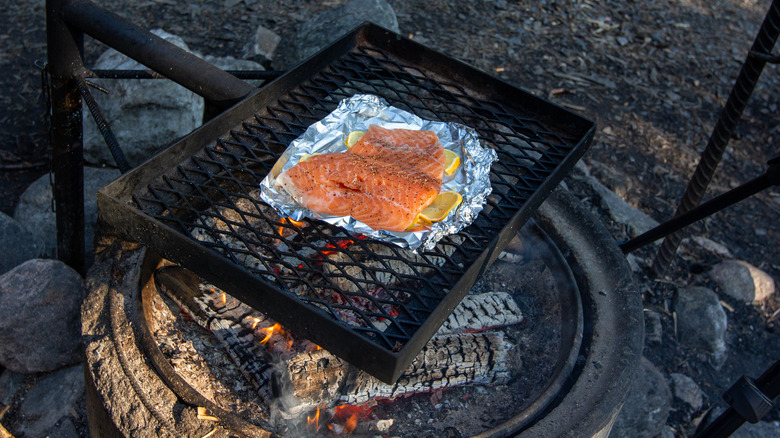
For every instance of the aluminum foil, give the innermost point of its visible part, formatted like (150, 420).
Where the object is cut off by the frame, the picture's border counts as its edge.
(357, 113)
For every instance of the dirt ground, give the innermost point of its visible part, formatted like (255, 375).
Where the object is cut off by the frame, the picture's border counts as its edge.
(652, 75)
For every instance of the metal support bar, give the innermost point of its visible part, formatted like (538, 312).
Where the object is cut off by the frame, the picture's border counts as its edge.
(724, 129)
(768, 385)
(65, 47)
(714, 205)
(105, 130)
(156, 53)
(151, 74)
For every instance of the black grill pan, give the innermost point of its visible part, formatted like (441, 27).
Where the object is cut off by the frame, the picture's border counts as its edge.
(368, 302)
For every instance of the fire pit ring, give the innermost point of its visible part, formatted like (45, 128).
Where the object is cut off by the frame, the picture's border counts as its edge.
(127, 393)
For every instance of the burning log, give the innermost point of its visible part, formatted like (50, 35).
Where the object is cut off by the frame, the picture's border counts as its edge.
(483, 312)
(455, 356)
(319, 377)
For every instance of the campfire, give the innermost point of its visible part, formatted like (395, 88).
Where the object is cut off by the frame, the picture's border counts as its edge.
(475, 359)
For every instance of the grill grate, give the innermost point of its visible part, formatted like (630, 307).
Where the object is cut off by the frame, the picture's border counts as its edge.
(369, 294)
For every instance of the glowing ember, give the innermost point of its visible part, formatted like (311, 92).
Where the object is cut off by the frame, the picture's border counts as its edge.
(224, 298)
(346, 417)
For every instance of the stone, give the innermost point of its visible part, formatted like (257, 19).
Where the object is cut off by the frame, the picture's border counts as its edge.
(34, 210)
(621, 211)
(10, 383)
(64, 429)
(263, 45)
(702, 322)
(762, 429)
(51, 400)
(16, 244)
(743, 281)
(40, 301)
(647, 407)
(653, 328)
(231, 63)
(710, 245)
(329, 25)
(144, 114)
(687, 391)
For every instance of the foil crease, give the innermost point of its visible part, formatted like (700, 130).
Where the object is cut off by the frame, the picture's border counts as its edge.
(357, 113)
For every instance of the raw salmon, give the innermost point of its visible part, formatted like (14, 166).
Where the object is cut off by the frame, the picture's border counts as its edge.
(378, 193)
(413, 151)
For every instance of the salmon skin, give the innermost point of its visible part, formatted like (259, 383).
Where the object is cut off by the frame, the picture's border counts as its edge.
(413, 151)
(385, 183)
(377, 193)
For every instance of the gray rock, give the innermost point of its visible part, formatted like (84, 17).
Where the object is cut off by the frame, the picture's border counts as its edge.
(743, 281)
(647, 407)
(34, 210)
(40, 302)
(231, 63)
(51, 399)
(619, 210)
(702, 322)
(144, 115)
(762, 429)
(16, 244)
(10, 383)
(329, 25)
(653, 327)
(263, 45)
(688, 391)
(65, 429)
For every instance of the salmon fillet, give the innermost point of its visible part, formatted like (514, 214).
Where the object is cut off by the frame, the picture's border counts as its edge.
(413, 151)
(377, 193)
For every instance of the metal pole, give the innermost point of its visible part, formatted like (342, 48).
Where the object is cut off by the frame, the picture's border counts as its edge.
(724, 129)
(65, 47)
(744, 191)
(176, 64)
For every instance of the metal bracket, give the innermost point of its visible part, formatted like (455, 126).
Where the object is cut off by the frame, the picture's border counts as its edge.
(747, 400)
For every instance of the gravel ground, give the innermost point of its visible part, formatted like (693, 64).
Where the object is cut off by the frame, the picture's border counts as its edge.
(653, 75)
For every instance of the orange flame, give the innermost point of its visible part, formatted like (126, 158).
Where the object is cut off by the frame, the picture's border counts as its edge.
(255, 320)
(224, 298)
(290, 221)
(269, 331)
(346, 417)
(315, 420)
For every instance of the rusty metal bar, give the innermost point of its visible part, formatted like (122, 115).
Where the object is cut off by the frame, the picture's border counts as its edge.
(154, 52)
(65, 49)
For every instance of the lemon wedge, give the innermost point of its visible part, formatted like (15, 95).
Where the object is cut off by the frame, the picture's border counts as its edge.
(353, 138)
(307, 156)
(277, 169)
(440, 207)
(452, 161)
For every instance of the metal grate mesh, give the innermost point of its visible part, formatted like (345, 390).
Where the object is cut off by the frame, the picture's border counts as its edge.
(378, 290)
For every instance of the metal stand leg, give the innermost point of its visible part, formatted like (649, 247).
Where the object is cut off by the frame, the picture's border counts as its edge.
(724, 129)
(65, 48)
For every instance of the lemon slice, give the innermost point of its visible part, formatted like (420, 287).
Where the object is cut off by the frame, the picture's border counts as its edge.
(452, 161)
(353, 138)
(277, 169)
(441, 206)
(307, 156)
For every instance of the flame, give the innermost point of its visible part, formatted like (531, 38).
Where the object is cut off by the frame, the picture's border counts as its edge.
(224, 298)
(346, 417)
(291, 221)
(315, 420)
(255, 320)
(269, 331)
